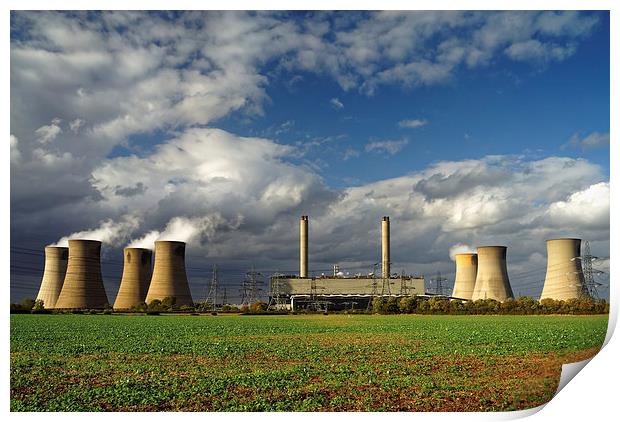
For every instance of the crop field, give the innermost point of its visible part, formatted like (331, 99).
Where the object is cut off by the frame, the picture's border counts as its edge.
(293, 363)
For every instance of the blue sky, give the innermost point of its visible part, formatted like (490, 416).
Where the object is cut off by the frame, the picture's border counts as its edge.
(506, 108)
(222, 128)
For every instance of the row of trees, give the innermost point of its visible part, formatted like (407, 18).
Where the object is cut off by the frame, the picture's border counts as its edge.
(406, 305)
(522, 306)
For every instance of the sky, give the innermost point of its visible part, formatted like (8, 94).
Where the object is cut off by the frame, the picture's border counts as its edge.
(222, 128)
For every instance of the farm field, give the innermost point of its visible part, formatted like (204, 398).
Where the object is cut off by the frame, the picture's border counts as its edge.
(293, 363)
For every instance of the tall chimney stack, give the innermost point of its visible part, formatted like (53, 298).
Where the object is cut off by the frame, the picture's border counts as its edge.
(83, 284)
(136, 278)
(303, 247)
(53, 276)
(169, 278)
(385, 247)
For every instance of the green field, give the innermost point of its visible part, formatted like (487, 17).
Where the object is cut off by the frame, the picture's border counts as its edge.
(293, 363)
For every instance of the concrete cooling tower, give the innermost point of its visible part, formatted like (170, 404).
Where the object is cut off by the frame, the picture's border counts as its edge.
(303, 247)
(564, 279)
(169, 278)
(465, 279)
(492, 276)
(136, 278)
(385, 247)
(83, 285)
(53, 275)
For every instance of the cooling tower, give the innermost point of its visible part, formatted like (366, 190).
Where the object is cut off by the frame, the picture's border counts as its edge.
(169, 278)
(385, 247)
(465, 279)
(83, 285)
(564, 279)
(53, 275)
(492, 276)
(136, 278)
(303, 246)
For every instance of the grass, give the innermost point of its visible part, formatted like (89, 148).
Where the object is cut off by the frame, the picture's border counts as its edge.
(293, 363)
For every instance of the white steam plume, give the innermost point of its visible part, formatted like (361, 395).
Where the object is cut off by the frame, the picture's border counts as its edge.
(186, 229)
(460, 248)
(108, 232)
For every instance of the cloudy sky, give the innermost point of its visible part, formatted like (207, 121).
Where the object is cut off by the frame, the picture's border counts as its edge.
(221, 129)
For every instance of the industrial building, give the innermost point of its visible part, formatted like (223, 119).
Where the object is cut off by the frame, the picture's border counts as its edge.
(492, 275)
(465, 276)
(338, 291)
(169, 278)
(56, 259)
(83, 285)
(136, 278)
(564, 278)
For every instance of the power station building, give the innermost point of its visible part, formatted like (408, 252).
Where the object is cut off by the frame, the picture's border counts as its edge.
(339, 291)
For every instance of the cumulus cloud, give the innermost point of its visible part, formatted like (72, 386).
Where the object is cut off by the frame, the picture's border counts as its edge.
(350, 153)
(48, 133)
(16, 156)
(336, 103)
(75, 125)
(593, 140)
(585, 208)
(387, 146)
(412, 123)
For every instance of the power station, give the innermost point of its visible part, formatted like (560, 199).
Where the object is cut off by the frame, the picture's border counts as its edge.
(136, 278)
(56, 258)
(72, 277)
(465, 277)
(564, 279)
(83, 285)
(340, 291)
(169, 278)
(492, 274)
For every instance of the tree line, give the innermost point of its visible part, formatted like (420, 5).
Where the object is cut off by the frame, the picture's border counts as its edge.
(524, 305)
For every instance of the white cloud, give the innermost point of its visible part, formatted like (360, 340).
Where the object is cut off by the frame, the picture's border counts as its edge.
(48, 133)
(585, 208)
(16, 156)
(75, 125)
(412, 123)
(350, 153)
(593, 140)
(389, 147)
(336, 103)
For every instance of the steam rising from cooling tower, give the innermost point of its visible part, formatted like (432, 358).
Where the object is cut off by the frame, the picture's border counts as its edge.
(53, 275)
(136, 278)
(385, 247)
(169, 277)
(465, 279)
(303, 246)
(564, 279)
(492, 276)
(83, 285)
